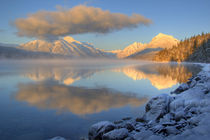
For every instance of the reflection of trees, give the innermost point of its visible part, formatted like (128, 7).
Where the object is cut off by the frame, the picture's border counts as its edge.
(180, 73)
(161, 75)
(74, 99)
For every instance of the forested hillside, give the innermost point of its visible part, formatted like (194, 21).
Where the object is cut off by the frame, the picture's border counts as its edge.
(194, 49)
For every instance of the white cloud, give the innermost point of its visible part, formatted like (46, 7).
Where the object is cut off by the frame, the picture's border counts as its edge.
(77, 20)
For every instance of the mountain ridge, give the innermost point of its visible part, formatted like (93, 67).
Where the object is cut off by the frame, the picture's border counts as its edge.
(159, 41)
(66, 46)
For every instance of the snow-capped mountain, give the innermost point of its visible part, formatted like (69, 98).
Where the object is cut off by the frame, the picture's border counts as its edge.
(66, 46)
(163, 41)
(160, 41)
(131, 49)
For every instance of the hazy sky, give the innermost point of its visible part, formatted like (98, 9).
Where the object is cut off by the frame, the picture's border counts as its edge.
(180, 18)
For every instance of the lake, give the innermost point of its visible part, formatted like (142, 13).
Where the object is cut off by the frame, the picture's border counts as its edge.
(46, 98)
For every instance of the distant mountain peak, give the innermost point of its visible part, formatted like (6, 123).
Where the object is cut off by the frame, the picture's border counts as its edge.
(69, 39)
(137, 43)
(163, 41)
(161, 36)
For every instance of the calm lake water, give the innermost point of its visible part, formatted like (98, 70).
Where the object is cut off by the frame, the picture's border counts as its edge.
(43, 99)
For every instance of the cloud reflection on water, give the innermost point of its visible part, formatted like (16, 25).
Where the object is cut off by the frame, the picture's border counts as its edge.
(77, 100)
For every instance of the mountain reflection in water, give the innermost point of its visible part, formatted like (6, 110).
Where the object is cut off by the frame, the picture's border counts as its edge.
(65, 76)
(161, 76)
(77, 100)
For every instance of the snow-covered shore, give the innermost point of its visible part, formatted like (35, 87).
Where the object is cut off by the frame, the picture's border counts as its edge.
(185, 114)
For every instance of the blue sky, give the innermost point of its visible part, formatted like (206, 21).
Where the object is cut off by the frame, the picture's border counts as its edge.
(180, 18)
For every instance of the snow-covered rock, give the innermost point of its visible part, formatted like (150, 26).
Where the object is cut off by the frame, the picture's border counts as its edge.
(181, 88)
(99, 129)
(143, 134)
(157, 107)
(116, 134)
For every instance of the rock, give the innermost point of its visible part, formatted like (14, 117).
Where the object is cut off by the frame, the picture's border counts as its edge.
(118, 122)
(155, 137)
(193, 110)
(140, 119)
(151, 123)
(179, 126)
(157, 107)
(172, 130)
(138, 127)
(181, 88)
(157, 128)
(126, 118)
(167, 117)
(206, 91)
(171, 123)
(129, 126)
(179, 115)
(57, 138)
(193, 83)
(176, 104)
(143, 134)
(194, 120)
(188, 115)
(117, 134)
(197, 78)
(97, 130)
(129, 138)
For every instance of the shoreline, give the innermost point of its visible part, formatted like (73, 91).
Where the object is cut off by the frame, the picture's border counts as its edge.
(181, 115)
